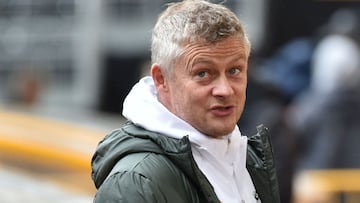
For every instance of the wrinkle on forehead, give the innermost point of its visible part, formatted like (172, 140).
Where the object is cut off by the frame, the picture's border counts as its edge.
(195, 52)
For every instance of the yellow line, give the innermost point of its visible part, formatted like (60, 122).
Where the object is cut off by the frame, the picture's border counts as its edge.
(44, 155)
(337, 180)
(44, 125)
(47, 142)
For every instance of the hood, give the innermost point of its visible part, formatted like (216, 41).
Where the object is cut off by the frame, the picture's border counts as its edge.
(131, 139)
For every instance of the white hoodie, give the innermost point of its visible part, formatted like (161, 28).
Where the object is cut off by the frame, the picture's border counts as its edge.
(223, 161)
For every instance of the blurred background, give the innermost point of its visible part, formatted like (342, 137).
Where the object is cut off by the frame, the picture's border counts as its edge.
(67, 65)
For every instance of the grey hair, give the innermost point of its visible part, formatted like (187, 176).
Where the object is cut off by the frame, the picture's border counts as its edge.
(192, 21)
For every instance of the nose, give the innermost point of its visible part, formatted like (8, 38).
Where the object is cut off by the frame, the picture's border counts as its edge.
(222, 87)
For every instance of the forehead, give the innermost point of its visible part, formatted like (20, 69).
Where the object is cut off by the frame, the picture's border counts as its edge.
(233, 43)
(232, 47)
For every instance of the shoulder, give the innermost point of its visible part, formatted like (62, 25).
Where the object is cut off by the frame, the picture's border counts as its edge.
(128, 186)
(146, 177)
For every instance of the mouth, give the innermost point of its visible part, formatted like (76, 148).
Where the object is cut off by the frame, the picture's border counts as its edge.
(222, 111)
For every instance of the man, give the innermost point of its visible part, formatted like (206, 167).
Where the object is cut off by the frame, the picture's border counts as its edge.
(181, 143)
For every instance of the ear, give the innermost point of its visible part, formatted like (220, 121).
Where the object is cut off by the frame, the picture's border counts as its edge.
(159, 78)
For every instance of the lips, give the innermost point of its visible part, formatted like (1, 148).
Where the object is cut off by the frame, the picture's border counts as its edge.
(222, 110)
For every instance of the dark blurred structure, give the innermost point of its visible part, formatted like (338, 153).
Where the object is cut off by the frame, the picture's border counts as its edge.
(119, 74)
(326, 115)
(289, 20)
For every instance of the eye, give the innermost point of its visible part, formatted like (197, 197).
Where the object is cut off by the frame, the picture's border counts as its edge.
(201, 74)
(234, 71)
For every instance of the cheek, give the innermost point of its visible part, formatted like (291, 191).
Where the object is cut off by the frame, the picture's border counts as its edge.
(241, 94)
(188, 99)
(178, 95)
(243, 86)
(184, 96)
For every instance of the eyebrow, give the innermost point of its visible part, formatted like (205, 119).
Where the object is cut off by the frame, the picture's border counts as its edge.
(203, 60)
(210, 61)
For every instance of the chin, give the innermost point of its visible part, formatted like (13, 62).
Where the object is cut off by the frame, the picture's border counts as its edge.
(220, 132)
(217, 129)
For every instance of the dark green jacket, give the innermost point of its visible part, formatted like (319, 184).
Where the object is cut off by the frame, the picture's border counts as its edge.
(134, 165)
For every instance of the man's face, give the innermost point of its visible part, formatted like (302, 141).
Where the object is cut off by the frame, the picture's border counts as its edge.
(207, 87)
